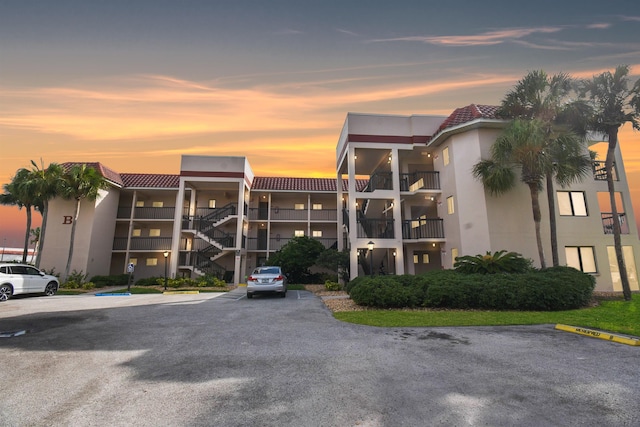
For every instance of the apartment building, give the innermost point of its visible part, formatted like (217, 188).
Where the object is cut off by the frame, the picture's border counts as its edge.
(404, 201)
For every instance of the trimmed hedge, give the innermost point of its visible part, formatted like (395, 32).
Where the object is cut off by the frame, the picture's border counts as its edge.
(552, 289)
(114, 280)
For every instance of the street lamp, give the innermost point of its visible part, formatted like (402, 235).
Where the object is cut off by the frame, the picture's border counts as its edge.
(166, 255)
(370, 246)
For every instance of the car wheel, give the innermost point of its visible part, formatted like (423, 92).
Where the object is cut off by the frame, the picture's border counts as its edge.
(51, 289)
(249, 296)
(5, 292)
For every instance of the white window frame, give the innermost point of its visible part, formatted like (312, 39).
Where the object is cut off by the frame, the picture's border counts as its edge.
(445, 156)
(451, 207)
(317, 206)
(316, 233)
(212, 203)
(152, 262)
(154, 232)
(581, 258)
(298, 206)
(157, 204)
(298, 233)
(136, 232)
(139, 203)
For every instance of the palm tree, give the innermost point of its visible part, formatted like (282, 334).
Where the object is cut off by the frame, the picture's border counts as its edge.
(80, 182)
(544, 98)
(35, 240)
(21, 192)
(48, 183)
(521, 146)
(614, 104)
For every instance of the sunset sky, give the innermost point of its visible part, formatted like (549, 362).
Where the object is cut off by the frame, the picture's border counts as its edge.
(135, 84)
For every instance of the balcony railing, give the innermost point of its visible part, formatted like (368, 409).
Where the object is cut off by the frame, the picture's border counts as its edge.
(432, 228)
(124, 212)
(600, 173)
(379, 181)
(607, 223)
(275, 243)
(427, 180)
(375, 228)
(287, 214)
(142, 244)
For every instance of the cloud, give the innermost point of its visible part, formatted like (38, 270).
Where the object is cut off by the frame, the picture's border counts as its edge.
(599, 26)
(482, 39)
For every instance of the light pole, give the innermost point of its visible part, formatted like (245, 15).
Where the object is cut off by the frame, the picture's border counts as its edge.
(370, 246)
(166, 255)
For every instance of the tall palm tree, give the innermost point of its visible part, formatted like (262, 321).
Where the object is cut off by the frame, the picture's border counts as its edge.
(520, 147)
(614, 104)
(21, 192)
(80, 182)
(546, 98)
(35, 240)
(48, 184)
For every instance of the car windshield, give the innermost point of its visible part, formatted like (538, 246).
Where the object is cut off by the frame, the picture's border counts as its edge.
(267, 270)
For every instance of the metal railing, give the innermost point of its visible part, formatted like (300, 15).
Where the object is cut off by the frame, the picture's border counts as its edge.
(124, 212)
(379, 181)
(432, 228)
(607, 223)
(288, 214)
(142, 244)
(276, 243)
(420, 180)
(600, 172)
(375, 228)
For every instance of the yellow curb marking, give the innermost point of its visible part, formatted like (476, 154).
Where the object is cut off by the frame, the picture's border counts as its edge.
(598, 334)
(180, 292)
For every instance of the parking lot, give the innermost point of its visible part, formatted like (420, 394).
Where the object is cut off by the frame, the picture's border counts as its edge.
(224, 360)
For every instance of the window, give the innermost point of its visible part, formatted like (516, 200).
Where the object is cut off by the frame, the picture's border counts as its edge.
(154, 232)
(581, 258)
(136, 232)
(454, 255)
(299, 206)
(317, 233)
(212, 203)
(317, 206)
(572, 203)
(152, 261)
(425, 258)
(445, 155)
(133, 261)
(299, 233)
(416, 259)
(450, 205)
(158, 204)
(140, 204)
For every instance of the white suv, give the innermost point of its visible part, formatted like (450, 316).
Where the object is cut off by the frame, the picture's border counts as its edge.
(25, 279)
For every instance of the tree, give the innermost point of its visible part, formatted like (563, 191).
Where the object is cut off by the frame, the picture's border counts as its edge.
(35, 240)
(21, 192)
(80, 182)
(614, 104)
(520, 146)
(48, 186)
(332, 259)
(544, 98)
(296, 257)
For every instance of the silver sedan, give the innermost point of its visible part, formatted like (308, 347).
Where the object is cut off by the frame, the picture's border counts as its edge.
(268, 279)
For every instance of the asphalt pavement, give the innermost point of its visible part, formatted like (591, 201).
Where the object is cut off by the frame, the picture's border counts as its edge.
(224, 360)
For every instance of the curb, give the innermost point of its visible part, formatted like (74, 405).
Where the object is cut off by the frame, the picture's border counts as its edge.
(122, 294)
(180, 292)
(598, 334)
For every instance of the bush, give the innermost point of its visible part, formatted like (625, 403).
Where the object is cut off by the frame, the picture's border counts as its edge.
(331, 286)
(498, 262)
(88, 286)
(109, 281)
(149, 281)
(75, 280)
(557, 288)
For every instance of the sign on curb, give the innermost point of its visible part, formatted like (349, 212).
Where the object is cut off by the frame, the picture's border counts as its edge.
(599, 334)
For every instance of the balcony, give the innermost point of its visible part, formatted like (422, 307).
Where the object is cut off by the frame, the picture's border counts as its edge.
(423, 229)
(607, 223)
(280, 214)
(124, 212)
(276, 243)
(142, 243)
(379, 181)
(427, 180)
(600, 173)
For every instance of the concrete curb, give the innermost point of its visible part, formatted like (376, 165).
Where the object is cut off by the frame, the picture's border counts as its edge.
(180, 292)
(598, 334)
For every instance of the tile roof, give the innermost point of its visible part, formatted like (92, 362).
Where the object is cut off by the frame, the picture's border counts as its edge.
(302, 184)
(467, 114)
(150, 180)
(106, 172)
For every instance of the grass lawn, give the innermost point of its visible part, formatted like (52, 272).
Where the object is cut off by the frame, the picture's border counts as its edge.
(610, 315)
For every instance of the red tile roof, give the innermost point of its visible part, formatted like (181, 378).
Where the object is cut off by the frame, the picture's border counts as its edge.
(302, 184)
(468, 114)
(150, 180)
(107, 173)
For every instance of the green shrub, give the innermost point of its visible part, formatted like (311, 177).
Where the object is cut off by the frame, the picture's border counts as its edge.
(498, 262)
(88, 286)
(109, 281)
(383, 292)
(210, 281)
(331, 286)
(149, 281)
(75, 280)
